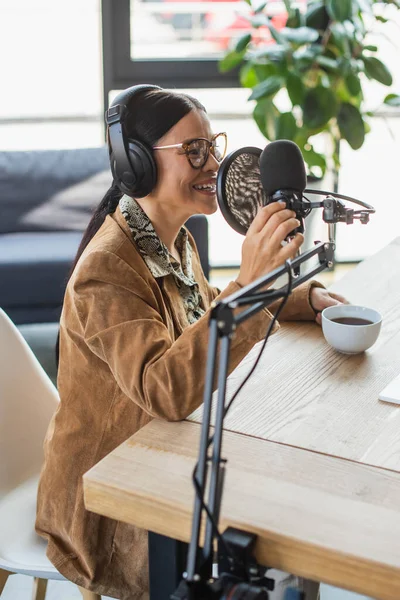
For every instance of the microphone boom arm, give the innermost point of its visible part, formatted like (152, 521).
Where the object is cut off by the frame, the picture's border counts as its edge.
(223, 322)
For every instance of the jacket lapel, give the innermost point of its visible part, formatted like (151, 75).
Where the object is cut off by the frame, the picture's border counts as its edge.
(172, 299)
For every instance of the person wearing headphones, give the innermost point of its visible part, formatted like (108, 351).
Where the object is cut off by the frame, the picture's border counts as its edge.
(134, 324)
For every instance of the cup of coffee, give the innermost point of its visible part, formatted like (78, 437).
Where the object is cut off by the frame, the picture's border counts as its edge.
(351, 329)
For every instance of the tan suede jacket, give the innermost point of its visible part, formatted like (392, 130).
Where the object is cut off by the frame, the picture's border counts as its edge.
(127, 355)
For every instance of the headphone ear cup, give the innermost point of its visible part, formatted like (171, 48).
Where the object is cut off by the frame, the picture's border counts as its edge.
(132, 163)
(142, 177)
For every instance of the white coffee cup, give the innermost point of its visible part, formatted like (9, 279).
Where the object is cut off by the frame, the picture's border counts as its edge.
(351, 339)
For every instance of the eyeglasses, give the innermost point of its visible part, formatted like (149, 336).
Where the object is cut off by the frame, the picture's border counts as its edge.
(198, 150)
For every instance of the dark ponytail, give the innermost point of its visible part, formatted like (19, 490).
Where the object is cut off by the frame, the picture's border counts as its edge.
(107, 206)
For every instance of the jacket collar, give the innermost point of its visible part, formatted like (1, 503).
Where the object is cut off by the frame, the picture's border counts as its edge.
(168, 284)
(153, 250)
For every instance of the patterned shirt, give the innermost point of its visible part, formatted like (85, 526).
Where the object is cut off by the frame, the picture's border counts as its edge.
(158, 259)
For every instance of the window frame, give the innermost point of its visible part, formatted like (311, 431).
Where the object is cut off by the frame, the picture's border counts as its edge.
(121, 71)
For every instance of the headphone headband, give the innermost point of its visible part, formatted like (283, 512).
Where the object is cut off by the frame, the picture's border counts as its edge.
(115, 114)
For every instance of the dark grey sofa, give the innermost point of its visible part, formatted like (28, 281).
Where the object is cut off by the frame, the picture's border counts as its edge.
(46, 200)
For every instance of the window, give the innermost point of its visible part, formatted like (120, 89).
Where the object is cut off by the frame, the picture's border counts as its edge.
(174, 43)
(186, 34)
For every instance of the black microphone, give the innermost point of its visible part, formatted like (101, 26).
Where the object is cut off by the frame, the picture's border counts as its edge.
(283, 177)
(249, 178)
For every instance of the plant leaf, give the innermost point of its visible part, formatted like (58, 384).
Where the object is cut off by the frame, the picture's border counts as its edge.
(314, 159)
(248, 77)
(339, 10)
(260, 8)
(329, 63)
(301, 35)
(259, 116)
(371, 48)
(353, 84)
(375, 69)
(259, 20)
(319, 106)
(392, 100)
(340, 39)
(295, 88)
(317, 16)
(266, 88)
(351, 125)
(230, 60)
(357, 24)
(286, 127)
(274, 52)
(294, 19)
(266, 116)
(341, 92)
(264, 71)
(308, 54)
(242, 42)
(275, 33)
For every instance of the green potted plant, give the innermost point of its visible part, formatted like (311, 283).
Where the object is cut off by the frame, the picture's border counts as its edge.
(321, 60)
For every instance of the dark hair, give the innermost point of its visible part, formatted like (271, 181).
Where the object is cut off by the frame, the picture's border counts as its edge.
(151, 114)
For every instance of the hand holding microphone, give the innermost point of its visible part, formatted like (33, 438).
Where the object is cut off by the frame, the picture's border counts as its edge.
(262, 249)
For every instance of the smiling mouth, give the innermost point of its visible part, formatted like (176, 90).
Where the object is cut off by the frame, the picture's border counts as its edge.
(209, 187)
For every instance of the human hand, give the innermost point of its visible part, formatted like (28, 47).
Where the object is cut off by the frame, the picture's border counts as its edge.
(262, 250)
(320, 298)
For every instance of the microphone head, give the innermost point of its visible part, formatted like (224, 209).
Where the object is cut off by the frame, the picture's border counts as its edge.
(282, 167)
(239, 189)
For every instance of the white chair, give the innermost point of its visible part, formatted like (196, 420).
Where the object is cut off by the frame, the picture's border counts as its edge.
(27, 401)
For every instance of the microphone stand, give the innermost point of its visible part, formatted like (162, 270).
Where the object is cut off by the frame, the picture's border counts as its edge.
(236, 561)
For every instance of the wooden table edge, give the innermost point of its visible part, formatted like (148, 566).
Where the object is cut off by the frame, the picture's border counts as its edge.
(281, 551)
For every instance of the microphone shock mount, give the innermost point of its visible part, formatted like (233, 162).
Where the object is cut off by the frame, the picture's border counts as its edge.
(335, 211)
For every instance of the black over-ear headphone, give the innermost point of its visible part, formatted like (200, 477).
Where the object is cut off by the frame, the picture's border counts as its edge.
(132, 162)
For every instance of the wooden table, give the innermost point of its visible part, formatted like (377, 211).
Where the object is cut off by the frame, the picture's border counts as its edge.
(313, 456)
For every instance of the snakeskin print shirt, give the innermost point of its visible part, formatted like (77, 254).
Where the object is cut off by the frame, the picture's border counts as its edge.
(158, 259)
